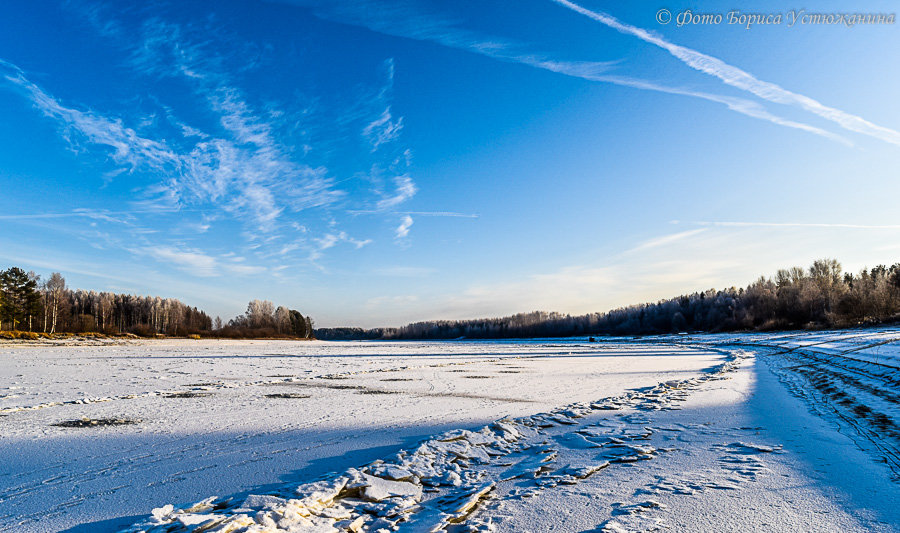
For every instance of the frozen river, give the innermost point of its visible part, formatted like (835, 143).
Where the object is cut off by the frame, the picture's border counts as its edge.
(195, 419)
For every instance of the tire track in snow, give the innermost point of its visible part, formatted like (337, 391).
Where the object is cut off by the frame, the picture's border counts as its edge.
(850, 404)
(859, 395)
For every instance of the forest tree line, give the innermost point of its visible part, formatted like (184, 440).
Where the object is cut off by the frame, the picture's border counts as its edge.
(795, 298)
(28, 303)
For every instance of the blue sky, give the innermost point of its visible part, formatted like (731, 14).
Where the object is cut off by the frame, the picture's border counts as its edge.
(381, 162)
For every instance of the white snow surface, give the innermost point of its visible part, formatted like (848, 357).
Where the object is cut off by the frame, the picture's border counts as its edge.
(778, 432)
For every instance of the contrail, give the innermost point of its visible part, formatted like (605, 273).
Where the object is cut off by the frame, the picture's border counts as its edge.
(798, 225)
(736, 77)
(740, 105)
(404, 20)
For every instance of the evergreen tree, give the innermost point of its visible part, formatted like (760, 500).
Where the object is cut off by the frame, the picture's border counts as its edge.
(21, 302)
(298, 324)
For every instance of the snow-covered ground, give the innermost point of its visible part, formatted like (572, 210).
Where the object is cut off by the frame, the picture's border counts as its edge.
(693, 433)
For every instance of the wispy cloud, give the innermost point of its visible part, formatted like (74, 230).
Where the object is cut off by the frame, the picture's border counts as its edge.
(127, 147)
(665, 240)
(404, 189)
(197, 262)
(244, 174)
(382, 134)
(383, 129)
(403, 229)
(251, 164)
(193, 261)
(741, 79)
(243, 168)
(330, 240)
(204, 171)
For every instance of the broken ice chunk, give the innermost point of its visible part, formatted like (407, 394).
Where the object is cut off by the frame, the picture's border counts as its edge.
(378, 489)
(262, 501)
(392, 472)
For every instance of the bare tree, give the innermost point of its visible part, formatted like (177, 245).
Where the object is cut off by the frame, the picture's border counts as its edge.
(56, 287)
(283, 319)
(260, 313)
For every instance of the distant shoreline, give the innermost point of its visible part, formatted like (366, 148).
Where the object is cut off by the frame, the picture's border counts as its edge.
(23, 338)
(70, 339)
